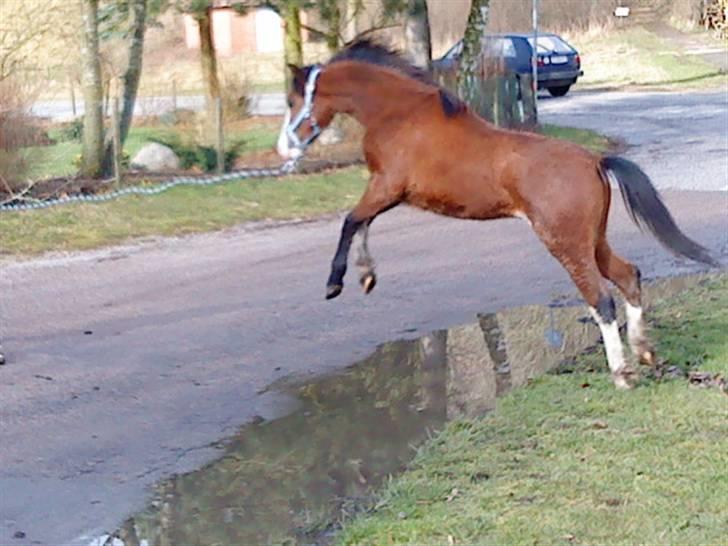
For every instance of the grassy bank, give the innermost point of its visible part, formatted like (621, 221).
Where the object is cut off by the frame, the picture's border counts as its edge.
(185, 210)
(636, 57)
(182, 210)
(570, 460)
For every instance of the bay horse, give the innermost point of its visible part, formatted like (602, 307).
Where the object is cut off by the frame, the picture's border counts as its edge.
(425, 148)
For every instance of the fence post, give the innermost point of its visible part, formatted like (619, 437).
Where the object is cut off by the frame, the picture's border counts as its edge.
(220, 144)
(73, 97)
(116, 139)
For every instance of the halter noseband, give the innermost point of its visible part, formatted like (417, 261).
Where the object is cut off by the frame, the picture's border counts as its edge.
(306, 112)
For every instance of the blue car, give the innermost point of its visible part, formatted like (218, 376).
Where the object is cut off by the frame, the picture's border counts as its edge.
(559, 65)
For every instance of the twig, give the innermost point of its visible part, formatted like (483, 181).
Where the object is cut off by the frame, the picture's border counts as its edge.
(16, 196)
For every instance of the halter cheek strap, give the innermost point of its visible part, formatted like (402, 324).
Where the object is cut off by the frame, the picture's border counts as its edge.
(306, 112)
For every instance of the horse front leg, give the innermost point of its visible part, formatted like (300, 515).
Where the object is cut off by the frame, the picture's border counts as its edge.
(335, 284)
(379, 197)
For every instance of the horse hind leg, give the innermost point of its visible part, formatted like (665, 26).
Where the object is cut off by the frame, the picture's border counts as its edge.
(627, 279)
(602, 309)
(364, 261)
(579, 261)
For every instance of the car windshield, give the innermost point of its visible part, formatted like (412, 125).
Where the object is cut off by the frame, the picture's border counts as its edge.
(551, 44)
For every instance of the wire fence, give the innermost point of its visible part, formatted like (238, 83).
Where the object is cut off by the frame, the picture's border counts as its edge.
(286, 168)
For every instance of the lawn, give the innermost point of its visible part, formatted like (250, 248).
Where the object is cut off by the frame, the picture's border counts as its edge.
(570, 460)
(636, 57)
(184, 210)
(59, 159)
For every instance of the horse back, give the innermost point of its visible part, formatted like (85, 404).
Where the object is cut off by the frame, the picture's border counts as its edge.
(463, 166)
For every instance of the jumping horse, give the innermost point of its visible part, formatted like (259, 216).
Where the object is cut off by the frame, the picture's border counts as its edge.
(425, 148)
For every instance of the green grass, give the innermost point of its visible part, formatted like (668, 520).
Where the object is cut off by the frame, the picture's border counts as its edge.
(640, 58)
(570, 460)
(58, 160)
(591, 140)
(179, 211)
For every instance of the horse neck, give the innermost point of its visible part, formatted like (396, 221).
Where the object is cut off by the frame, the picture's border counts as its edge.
(371, 93)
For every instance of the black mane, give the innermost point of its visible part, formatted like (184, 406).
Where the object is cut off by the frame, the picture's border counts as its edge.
(367, 51)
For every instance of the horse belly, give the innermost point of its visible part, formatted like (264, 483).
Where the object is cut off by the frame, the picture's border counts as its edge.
(459, 200)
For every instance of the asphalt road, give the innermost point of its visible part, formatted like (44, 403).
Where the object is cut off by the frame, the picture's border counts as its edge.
(261, 104)
(125, 364)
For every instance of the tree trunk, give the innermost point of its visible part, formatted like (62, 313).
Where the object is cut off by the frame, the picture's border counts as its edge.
(208, 59)
(417, 33)
(352, 10)
(292, 39)
(332, 40)
(93, 123)
(468, 77)
(131, 78)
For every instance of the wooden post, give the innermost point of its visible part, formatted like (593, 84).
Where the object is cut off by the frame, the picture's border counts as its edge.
(534, 60)
(73, 97)
(116, 136)
(497, 98)
(220, 144)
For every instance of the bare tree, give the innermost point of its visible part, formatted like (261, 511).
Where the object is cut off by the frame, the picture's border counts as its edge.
(93, 125)
(29, 31)
(417, 33)
(467, 75)
(132, 75)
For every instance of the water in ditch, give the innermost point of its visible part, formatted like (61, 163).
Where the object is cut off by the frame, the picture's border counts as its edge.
(289, 480)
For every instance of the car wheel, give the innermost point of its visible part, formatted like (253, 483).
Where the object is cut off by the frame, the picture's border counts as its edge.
(559, 90)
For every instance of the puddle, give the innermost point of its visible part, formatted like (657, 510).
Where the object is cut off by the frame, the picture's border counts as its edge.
(283, 480)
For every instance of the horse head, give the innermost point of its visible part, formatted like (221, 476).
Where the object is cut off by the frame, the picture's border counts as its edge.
(308, 112)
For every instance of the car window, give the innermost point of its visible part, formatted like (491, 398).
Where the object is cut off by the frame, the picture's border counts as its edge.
(551, 44)
(509, 50)
(498, 47)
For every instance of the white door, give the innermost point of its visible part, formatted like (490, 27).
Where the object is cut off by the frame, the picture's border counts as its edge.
(268, 31)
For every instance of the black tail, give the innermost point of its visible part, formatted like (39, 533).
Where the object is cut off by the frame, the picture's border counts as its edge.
(646, 208)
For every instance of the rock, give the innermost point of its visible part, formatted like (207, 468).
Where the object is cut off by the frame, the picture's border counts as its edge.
(155, 157)
(331, 135)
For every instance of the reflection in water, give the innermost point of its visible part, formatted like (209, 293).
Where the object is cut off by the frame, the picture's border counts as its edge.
(280, 481)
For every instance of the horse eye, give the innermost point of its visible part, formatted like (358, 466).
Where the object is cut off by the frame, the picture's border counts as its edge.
(290, 103)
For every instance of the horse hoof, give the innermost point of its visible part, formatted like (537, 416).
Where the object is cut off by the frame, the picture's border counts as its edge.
(648, 358)
(333, 290)
(625, 379)
(368, 282)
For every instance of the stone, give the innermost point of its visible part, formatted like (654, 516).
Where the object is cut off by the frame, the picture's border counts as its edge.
(331, 135)
(155, 157)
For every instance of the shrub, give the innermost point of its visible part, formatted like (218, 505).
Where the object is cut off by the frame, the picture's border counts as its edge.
(71, 131)
(17, 130)
(193, 154)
